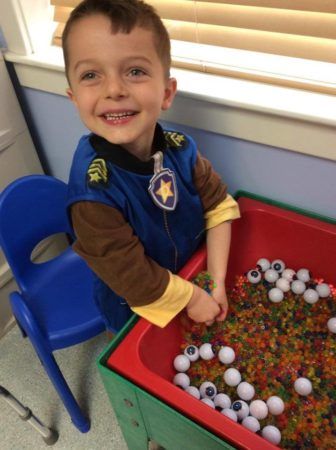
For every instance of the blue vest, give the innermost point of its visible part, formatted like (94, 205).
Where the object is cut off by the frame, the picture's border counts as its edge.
(168, 237)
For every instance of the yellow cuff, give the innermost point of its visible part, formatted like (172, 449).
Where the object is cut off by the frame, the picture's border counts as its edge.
(228, 209)
(174, 299)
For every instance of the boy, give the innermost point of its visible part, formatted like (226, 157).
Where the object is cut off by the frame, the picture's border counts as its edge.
(139, 198)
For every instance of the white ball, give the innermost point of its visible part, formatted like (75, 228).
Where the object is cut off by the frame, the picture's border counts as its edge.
(222, 401)
(191, 352)
(310, 296)
(251, 423)
(232, 377)
(254, 276)
(245, 391)
(181, 363)
(323, 290)
(264, 264)
(182, 380)
(226, 355)
(298, 287)
(241, 408)
(230, 414)
(192, 390)
(208, 402)
(258, 409)
(288, 274)
(206, 352)
(332, 324)
(303, 386)
(271, 434)
(283, 284)
(208, 390)
(275, 295)
(271, 275)
(278, 265)
(303, 275)
(275, 405)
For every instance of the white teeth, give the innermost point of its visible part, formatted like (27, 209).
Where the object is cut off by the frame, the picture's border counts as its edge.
(115, 116)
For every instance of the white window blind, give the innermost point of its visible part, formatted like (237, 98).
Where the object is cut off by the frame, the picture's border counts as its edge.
(204, 33)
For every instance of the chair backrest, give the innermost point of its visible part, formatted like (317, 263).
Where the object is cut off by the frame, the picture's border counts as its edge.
(31, 209)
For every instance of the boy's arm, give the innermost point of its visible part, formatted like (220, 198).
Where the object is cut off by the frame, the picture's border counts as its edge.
(108, 244)
(218, 247)
(219, 210)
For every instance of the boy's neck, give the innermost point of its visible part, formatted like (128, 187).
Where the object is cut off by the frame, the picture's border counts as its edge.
(120, 156)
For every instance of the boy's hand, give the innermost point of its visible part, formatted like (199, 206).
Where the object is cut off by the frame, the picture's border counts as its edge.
(202, 307)
(219, 295)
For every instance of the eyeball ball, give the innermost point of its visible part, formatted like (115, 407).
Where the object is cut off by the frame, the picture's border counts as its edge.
(283, 284)
(275, 405)
(303, 275)
(310, 296)
(232, 377)
(275, 295)
(192, 390)
(208, 390)
(251, 423)
(323, 290)
(271, 275)
(254, 276)
(228, 412)
(288, 274)
(241, 408)
(271, 434)
(303, 386)
(332, 324)
(206, 352)
(278, 265)
(181, 363)
(182, 380)
(263, 264)
(191, 352)
(258, 409)
(208, 402)
(222, 401)
(245, 391)
(298, 287)
(226, 355)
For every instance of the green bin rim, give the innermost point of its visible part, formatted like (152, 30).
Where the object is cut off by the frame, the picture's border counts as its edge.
(283, 205)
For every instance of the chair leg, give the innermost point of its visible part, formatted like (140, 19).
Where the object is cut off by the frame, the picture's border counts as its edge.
(36, 337)
(51, 367)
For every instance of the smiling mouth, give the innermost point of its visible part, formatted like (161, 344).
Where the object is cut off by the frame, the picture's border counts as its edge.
(118, 116)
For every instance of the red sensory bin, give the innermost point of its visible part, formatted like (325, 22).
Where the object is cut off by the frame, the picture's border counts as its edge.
(146, 354)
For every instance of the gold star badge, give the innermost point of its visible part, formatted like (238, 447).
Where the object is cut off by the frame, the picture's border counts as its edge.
(165, 191)
(94, 177)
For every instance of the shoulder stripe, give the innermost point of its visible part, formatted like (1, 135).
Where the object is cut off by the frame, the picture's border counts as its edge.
(98, 174)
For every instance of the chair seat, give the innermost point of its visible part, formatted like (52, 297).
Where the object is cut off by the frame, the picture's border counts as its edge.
(65, 285)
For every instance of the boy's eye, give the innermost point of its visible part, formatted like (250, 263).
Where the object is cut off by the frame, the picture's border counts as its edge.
(88, 76)
(136, 72)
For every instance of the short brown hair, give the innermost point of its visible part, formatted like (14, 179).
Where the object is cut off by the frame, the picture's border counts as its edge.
(124, 16)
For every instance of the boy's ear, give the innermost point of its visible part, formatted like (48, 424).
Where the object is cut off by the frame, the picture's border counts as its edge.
(169, 94)
(70, 95)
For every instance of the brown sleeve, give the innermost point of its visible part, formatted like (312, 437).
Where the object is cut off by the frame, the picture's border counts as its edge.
(108, 244)
(208, 183)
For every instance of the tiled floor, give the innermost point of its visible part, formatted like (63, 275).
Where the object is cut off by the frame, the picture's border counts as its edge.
(22, 374)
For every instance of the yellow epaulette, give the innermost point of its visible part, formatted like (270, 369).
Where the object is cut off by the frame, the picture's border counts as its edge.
(98, 174)
(175, 139)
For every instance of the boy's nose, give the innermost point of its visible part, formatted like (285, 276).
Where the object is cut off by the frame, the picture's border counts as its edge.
(115, 88)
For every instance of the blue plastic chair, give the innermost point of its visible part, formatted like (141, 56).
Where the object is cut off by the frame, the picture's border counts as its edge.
(54, 307)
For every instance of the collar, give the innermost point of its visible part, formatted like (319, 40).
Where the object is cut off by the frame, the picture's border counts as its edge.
(125, 160)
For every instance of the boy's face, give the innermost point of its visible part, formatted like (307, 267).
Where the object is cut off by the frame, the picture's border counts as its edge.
(117, 83)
